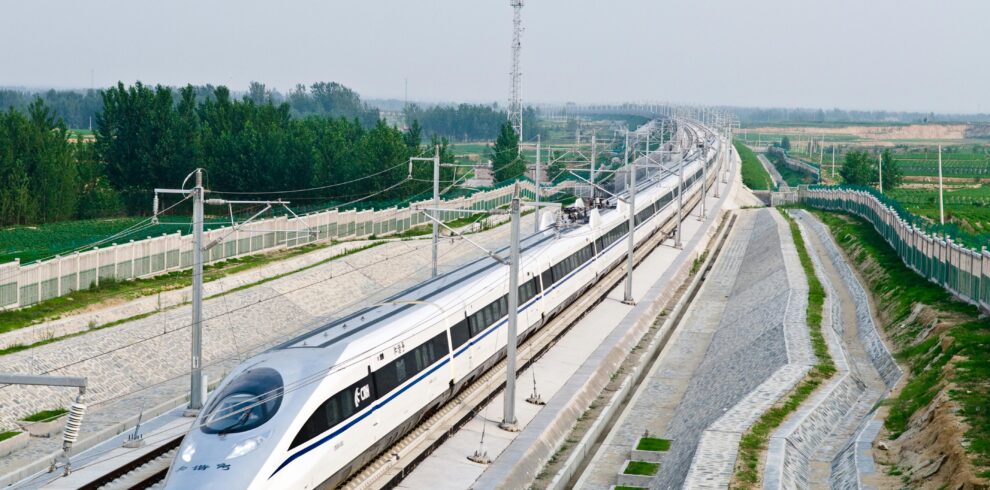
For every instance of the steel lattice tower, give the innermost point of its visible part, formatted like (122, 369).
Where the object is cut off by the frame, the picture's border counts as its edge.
(515, 96)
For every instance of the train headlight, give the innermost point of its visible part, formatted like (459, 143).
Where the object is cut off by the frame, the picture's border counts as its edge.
(245, 446)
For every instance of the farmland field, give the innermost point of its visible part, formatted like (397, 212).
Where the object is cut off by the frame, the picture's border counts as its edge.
(959, 165)
(30, 243)
(967, 207)
(465, 148)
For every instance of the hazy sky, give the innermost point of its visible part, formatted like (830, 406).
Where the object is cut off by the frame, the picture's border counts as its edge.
(860, 54)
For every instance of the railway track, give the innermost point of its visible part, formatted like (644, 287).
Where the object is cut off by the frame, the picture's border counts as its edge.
(389, 469)
(386, 471)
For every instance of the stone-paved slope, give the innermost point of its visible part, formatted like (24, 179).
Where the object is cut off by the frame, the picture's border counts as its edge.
(746, 349)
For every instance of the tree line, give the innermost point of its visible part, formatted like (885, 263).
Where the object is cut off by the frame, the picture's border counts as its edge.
(76, 108)
(147, 137)
(79, 108)
(468, 122)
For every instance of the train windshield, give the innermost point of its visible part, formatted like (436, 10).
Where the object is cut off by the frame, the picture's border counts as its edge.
(245, 403)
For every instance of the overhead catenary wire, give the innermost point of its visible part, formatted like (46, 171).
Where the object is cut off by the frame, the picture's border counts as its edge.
(118, 348)
(263, 300)
(228, 312)
(310, 189)
(316, 374)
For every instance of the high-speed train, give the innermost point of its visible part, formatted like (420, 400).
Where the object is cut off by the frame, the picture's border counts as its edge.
(313, 411)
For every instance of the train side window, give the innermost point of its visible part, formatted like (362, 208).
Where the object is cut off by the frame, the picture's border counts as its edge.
(488, 316)
(335, 410)
(460, 333)
(402, 368)
(503, 306)
(475, 323)
(438, 348)
(547, 279)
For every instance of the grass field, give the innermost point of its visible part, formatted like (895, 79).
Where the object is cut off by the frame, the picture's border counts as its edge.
(30, 243)
(475, 147)
(753, 174)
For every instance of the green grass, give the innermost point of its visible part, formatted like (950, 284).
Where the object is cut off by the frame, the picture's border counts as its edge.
(480, 148)
(20, 347)
(793, 177)
(653, 444)
(626, 487)
(7, 435)
(641, 468)
(755, 440)
(62, 305)
(965, 344)
(465, 220)
(30, 243)
(45, 415)
(753, 174)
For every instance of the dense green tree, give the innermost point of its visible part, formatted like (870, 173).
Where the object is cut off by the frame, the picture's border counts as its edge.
(135, 137)
(77, 108)
(464, 122)
(506, 160)
(97, 197)
(38, 175)
(785, 143)
(892, 176)
(414, 136)
(858, 169)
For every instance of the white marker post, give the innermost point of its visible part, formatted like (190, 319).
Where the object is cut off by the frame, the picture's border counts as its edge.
(941, 206)
(880, 171)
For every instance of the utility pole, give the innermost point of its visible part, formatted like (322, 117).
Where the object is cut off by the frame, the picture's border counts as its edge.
(436, 204)
(721, 161)
(833, 162)
(941, 207)
(509, 412)
(880, 171)
(680, 202)
(704, 177)
(821, 158)
(627, 296)
(197, 389)
(625, 157)
(536, 178)
(196, 380)
(594, 159)
(435, 159)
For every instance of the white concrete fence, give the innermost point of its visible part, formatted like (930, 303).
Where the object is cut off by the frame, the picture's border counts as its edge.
(960, 270)
(26, 284)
